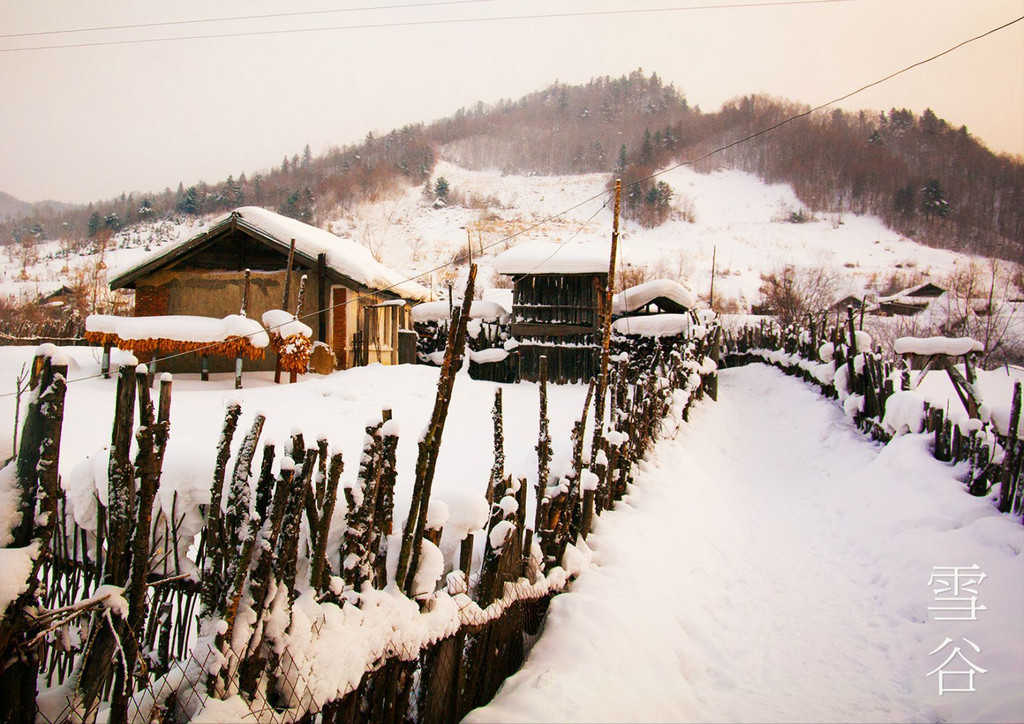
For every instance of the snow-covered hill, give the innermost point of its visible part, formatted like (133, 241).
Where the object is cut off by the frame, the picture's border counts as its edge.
(737, 219)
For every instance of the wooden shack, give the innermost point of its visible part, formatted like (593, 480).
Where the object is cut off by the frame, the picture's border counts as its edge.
(659, 296)
(908, 302)
(204, 276)
(556, 305)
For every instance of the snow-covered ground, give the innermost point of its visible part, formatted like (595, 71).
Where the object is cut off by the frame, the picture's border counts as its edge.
(337, 407)
(771, 564)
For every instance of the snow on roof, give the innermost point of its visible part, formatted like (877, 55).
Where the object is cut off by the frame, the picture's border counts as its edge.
(544, 257)
(181, 328)
(954, 347)
(912, 295)
(344, 255)
(654, 325)
(499, 296)
(285, 324)
(439, 311)
(629, 300)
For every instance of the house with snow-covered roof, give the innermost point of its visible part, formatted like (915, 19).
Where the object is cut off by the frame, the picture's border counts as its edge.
(909, 302)
(352, 302)
(556, 293)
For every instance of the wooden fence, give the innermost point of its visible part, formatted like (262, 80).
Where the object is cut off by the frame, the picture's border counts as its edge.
(264, 613)
(995, 457)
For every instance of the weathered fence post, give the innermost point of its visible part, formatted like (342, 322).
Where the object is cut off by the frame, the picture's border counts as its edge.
(430, 444)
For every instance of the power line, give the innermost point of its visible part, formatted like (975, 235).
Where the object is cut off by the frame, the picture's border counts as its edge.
(230, 18)
(537, 224)
(841, 98)
(420, 23)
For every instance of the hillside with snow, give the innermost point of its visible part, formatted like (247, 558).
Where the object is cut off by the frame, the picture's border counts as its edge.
(737, 220)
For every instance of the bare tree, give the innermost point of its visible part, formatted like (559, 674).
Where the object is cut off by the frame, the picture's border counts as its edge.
(978, 304)
(793, 292)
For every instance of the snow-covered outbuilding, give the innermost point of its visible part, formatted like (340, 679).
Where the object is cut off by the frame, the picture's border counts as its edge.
(352, 302)
(653, 297)
(908, 302)
(556, 296)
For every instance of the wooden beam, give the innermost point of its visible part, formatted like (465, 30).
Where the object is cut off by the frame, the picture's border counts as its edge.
(964, 389)
(321, 296)
(549, 330)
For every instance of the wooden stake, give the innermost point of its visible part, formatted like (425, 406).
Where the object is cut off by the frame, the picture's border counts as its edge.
(288, 276)
(430, 444)
(711, 294)
(606, 309)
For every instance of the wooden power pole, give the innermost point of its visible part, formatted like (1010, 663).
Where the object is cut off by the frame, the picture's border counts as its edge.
(606, 321)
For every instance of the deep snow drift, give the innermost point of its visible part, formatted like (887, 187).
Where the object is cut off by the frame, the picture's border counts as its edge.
(761, 571)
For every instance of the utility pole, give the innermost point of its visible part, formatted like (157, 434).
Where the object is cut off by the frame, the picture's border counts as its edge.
(606, 322)
(711, 294)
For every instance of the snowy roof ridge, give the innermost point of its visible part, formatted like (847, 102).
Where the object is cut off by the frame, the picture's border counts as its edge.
(909, 295)
(548, 257)
(632, 299)
(343, 256)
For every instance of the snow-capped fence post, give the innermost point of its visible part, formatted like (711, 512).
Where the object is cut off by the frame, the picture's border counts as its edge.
(39, 490)
(578, 441)
(151, 436)
(212, 545)
(430, 443)
(254, 659)
(498, 466)
(384, 505)
(1009, 491)
(551, 501)
(319, 575)
(605, 310)
(357, 553)
(95, 667)
(239, 531)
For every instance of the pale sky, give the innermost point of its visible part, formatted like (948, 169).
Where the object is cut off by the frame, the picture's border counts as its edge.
(86, 123)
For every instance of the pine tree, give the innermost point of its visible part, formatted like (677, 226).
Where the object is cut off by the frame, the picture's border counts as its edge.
(934, 201)
(442, 189)
(647, 148)
(188, 204)
(95, 224)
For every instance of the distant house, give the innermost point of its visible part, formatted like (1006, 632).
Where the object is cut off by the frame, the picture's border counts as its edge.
(556, 296)
(908, 302)
(345, 294)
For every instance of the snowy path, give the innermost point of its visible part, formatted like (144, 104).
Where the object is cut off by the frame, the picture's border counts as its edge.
(772, 565)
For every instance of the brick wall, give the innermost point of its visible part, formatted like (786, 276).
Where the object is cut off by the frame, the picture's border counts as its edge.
(339, 326)
(151, 301)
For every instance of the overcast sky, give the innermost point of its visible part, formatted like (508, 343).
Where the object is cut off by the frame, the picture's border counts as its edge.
(86, 123)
